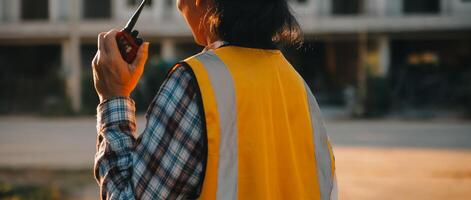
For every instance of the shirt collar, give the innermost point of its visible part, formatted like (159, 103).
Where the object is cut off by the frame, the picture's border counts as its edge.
(215, 45)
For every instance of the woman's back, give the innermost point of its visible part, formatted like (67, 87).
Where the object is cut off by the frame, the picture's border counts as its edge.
(261, 141)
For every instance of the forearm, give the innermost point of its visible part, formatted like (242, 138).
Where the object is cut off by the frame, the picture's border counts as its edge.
(116, 127)
(167, 161)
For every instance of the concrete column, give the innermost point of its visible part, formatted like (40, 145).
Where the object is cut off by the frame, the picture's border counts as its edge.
(316, 7)
(446, 7)
(361, 92)
(16, 11)
(325, 7)
(384, 55)
(116, 8)
(62, 7)
(382, 8)
(157, 9)
(11, 10)
(2, 11)
(54, 10)
(459, 8)
(394, 8)
(119, 10)
(71, 58)
(304, 8)
(168, 49)
(72, 71)
(312, 8)
(374, 7)
(162, 9)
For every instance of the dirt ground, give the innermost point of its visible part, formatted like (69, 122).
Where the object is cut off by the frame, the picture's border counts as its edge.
(403, 173)
(362, 173)
(375, 159)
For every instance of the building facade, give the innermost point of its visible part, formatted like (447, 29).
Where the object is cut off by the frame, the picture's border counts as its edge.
(347, 41)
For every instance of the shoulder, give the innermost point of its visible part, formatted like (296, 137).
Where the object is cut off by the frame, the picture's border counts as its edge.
(181, 69)
(181, 75)
(180, 86)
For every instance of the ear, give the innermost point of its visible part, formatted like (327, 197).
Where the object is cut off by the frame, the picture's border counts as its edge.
(199, 2)
(204, 3)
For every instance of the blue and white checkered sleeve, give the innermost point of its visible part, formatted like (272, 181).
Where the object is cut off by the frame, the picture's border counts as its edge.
(167, 160)
(116, 127)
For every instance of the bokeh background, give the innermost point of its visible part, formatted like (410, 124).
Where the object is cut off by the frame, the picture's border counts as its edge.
(393, 78)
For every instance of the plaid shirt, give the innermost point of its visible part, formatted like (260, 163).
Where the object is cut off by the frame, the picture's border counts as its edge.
(167, 161)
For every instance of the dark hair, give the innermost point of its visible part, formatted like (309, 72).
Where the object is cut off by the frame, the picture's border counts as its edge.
(255, 23)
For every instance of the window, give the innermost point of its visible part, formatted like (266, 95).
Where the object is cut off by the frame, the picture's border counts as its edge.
(93, 9)
(33, 78)
(133, 3)
(421, 6)
(346, 7)
(34, 9)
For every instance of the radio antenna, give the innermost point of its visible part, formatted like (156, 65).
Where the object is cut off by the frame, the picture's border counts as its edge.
(132, 22)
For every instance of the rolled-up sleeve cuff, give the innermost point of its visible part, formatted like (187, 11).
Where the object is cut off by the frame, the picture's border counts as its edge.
(116, 111)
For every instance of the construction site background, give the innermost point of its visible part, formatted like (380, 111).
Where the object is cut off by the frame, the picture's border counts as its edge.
(393, 79)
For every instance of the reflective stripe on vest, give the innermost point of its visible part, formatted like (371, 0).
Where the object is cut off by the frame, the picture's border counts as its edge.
(324, 155)
(223, 85)
(260, 146)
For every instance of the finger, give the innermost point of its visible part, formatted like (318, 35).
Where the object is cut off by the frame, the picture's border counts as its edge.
(101, 42)
(141, 58)
(95, 60)
(111, 45)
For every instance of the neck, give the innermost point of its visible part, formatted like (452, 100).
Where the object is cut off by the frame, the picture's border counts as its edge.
(214, 45)
(211, 40)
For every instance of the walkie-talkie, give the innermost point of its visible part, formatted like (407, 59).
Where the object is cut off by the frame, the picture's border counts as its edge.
(128, 42)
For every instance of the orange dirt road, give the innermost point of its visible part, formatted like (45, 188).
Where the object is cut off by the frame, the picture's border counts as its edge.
(403, 173)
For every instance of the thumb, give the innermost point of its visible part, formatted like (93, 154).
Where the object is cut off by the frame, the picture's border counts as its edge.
(141, 57)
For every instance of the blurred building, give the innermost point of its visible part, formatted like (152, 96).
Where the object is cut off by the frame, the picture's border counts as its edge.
(415, 48)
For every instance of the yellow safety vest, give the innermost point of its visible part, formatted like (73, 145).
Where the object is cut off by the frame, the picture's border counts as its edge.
(266, 138)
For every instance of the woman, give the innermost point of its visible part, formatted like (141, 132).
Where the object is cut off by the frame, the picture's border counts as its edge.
(233, 122)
